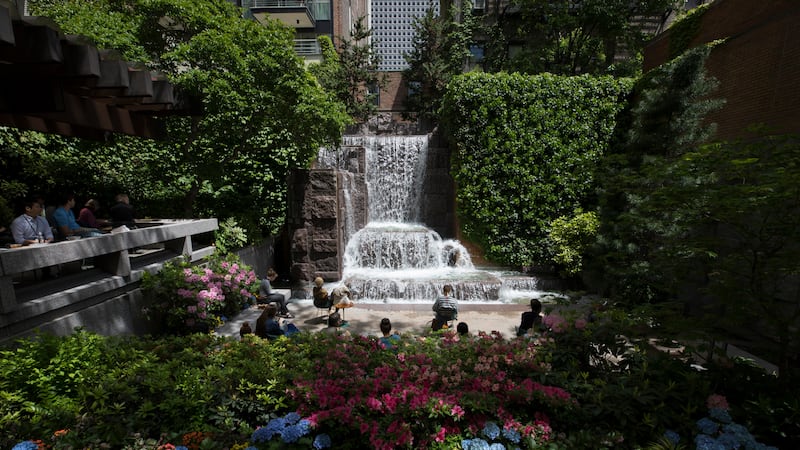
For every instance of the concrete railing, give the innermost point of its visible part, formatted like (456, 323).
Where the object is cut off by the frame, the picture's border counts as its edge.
(111, 255)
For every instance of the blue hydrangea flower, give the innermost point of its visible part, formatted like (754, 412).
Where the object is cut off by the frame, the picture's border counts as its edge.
(729, 441)
(251, 448)
(292, 418)
(512, 435)
(672, 436)
(26, 445)
(277, 425)
(181, 447)
(720, 415)
(491, 430)
(294, 432)
(475, 444)
(497, 446)
(303, 426)
(704, 442)
(263, 434)
(707, 426)
(322, 441)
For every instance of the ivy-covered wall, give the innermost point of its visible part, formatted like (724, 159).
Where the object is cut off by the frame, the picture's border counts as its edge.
(524, 148)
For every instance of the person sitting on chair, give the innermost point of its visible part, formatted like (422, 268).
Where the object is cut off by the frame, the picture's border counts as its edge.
(531, 320)
(30, 225)
(122, 213)
(445, 307)
(65, 220)
(267, 295)
(341, 296)
(321, 298)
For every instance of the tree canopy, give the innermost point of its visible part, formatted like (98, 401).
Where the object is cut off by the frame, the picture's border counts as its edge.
(573, 37)
(262, 112)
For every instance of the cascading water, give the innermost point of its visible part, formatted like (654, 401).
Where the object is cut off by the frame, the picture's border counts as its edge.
(396, 258)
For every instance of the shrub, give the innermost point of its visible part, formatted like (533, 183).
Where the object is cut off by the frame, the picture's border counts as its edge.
(188, 298)
(524, 149)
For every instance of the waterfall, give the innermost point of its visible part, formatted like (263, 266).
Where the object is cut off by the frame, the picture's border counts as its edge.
(395, 170)
(396, 257)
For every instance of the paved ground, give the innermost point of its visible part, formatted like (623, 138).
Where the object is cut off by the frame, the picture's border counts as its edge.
(365, 318)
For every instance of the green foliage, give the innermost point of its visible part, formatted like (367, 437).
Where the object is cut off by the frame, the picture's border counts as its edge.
(581, 385)
(745, 201)
(524, 149)
(229, 236)
(567, 37)
(637, 215)
(440, 50)
(186, 298)
(684, 30)
(263, 114)
(351, 76)
(571, 238)
(119, 390)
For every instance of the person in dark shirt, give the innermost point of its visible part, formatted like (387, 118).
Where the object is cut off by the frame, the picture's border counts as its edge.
(267, 295)
(122, 213)
(531, 320)
(266, 325)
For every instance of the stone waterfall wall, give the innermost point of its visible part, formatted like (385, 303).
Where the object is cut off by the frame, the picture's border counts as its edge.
(438, 191)
(318, 215)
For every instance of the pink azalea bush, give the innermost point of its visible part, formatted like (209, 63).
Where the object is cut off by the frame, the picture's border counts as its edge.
(432, 393)
(191, 297)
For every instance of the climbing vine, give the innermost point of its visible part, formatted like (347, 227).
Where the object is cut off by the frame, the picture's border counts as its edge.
(524, 150)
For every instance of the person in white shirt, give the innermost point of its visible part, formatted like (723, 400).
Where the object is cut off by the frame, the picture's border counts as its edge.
(30, 226)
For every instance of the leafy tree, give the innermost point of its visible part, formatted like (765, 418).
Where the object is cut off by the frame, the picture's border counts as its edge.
(262, 112)
(574, 37)
(441, 48)
(744, 226)
(352, 75)
(637, 219)
(524, 148)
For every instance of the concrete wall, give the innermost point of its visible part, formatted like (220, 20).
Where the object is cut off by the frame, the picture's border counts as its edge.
(758, 66)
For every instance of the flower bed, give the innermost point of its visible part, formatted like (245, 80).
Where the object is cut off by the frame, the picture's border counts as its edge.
(333, 391)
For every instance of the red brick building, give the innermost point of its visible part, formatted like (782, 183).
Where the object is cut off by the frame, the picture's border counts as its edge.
(758, 65)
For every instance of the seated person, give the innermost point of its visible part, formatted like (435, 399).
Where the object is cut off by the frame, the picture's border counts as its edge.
(321, 298)
(341, 296)
(445, 307)
(267, 295)
(30, 225)
(266, 325)
(531, 320)
(122, 213)
(462, 328)
(65, 220)
(389, 340)
(86, 218)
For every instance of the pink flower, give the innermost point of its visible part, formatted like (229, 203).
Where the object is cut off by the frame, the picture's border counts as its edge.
(717, 401)
(374, 404)
(440, 435)
(580, 324)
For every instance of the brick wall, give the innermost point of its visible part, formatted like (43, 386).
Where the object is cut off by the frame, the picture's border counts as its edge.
(758, 67)
(393, 94)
